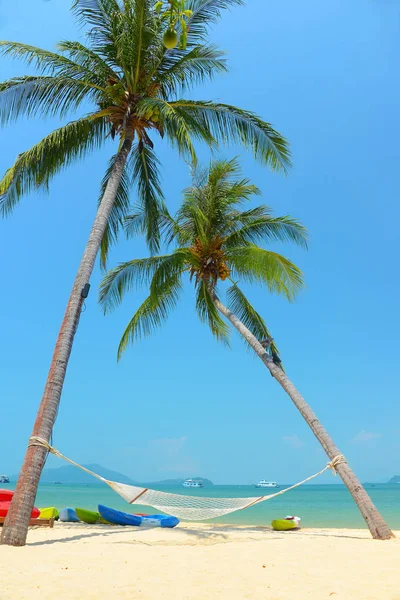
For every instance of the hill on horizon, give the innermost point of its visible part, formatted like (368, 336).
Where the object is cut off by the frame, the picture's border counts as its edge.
(71, 474)
(395, 479)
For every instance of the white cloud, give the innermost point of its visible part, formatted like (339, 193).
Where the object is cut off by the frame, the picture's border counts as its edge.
(366, 436)
(293, 440)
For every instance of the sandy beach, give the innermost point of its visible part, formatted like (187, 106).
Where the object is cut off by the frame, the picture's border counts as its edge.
(199, 562)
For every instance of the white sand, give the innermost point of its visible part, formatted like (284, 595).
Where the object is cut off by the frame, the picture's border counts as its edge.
(201, 562)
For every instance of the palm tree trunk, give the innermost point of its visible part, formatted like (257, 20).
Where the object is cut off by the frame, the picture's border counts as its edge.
(16, 524)
(377, 526)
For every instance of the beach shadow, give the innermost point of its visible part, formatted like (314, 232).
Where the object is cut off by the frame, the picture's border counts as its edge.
(82, 536)
(215, 533)
(304, 533)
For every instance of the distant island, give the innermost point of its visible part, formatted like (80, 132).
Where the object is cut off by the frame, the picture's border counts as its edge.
(395, 479)
(72, 475)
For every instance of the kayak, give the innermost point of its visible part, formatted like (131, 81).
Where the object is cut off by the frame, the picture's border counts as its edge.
(6, 495)
(284, 525)
(49, 513)
(4, 506)
(90, 516)
(120, 518)
(117, 517)
(68, 515)
(87, 516)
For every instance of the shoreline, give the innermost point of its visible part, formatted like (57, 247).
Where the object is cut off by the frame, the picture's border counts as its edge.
(199, 562)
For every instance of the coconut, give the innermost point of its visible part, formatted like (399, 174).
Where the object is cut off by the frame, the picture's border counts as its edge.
(170, 39)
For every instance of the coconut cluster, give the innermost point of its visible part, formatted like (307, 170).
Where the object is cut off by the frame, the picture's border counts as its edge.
(210, 260)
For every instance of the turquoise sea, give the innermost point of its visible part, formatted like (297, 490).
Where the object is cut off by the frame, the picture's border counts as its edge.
(317, 505)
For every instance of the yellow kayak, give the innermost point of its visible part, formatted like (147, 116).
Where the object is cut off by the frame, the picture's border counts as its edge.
(49, 513)
(284, 525)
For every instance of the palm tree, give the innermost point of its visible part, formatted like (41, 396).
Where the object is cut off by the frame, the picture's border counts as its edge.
(134, 86)
(216, 241)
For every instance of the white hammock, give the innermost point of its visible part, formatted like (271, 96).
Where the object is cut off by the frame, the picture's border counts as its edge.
(188, 508)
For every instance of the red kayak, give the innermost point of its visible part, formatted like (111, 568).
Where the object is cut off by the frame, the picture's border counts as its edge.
(4, 506)
(6, 495)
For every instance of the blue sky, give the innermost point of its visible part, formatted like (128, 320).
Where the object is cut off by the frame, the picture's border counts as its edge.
(326, 75)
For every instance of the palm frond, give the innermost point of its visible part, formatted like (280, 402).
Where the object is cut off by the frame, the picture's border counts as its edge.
(169, 227)
(104, 19)
(182, 70)
(174, 264)
(138, 36)
(180, 127)
(96, 13)
(145, 174)
(152, 313)
(119, 210)
(259, 226)
(228, 124)
(46, 62)
(43, 96)
(210, 205)
(35, 168)
(254, 264)
(126, 276)
(205, 13)
(135, 223)
(89, 61)
(209, 314)
(247, 314)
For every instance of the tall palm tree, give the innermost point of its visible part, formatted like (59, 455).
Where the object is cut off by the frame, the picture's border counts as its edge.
(134, 87)
(216, 241)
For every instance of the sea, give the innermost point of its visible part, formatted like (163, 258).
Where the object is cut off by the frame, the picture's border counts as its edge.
(321, 506)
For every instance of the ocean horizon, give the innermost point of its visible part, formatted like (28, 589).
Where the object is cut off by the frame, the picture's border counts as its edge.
(319, 506)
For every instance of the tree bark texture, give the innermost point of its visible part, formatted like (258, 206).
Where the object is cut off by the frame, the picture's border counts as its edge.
(16, 524)
(377, 526)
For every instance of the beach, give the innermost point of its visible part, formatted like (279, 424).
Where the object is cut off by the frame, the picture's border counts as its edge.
(199, 562)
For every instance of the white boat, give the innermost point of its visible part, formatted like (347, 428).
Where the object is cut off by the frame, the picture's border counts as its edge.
(263, 483)
(4, 479)
(193, 483)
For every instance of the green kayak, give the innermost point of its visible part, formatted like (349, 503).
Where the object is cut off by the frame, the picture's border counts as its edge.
(284, 525)
(89, 516)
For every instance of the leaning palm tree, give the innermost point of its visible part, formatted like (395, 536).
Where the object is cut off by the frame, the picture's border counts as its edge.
(217, 241)
(134, 86)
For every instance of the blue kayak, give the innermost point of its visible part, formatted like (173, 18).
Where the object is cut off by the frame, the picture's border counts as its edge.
(120, 518)
(68, 515)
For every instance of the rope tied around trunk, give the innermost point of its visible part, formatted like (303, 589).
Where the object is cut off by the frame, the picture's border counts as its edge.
(195, 508)
(339, 459)
(34, 440)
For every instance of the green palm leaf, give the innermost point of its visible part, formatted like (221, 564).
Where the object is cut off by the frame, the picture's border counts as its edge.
(105, 20)
(89, 61)
(209, 314)
(213, 236)
(145, 174)
(119, 210)
(182, 70)
(43, 96)
(152, 313)
(47, 62)
(259, 226)
(125, 277)
(35, 168)
(172, 265)
(206, 12)
(180, 129)
(229, 124)
(254, 264)
(246, 313)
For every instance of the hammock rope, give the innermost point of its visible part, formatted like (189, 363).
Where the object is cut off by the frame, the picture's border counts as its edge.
(189, 508)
